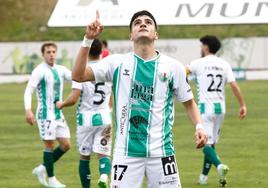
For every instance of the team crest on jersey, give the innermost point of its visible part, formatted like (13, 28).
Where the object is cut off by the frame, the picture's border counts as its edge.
(163, 76)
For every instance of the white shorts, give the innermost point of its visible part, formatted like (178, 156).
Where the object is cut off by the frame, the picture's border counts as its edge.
(212, 125)
(94, 139)
(53, 129)
(161, 172)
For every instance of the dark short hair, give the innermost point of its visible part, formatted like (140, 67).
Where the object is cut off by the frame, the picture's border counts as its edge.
(142, 13)
(47, 44)
(95, 49)
(105, 43)
(212, 42)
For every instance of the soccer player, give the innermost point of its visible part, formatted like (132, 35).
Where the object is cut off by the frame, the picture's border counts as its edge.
(48, 79)
(212, 74)
(93, 122)
(145, 82)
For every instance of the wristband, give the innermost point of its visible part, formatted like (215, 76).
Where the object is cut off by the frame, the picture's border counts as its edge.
(199, 126)
(86, 42)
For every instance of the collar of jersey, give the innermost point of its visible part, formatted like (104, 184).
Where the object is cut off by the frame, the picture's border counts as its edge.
(149, 60)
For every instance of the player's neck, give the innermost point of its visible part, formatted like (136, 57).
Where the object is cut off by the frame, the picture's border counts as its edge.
(50, 64)
(145, 51)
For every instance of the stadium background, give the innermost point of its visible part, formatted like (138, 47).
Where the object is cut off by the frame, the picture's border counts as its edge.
(243, 145)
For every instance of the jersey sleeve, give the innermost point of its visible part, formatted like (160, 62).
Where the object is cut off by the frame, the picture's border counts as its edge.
(35, 78)
(103, 70)
(77, 85)
(67, 74)
(192, 67)
(230, 74)
(182, 88)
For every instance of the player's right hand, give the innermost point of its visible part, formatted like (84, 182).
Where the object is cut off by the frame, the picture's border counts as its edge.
(29, 116)
(59, 105)
(243, 112)
(94, 28)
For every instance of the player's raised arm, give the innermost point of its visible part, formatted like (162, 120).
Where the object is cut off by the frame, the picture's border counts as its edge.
(80, 73)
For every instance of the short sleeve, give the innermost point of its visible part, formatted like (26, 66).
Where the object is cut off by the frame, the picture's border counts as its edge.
(104, 69)
(182, 88)
(230, 74)
(67, 74)
(192, 67)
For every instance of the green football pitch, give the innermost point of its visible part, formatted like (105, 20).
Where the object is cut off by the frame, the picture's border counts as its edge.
(243, 145)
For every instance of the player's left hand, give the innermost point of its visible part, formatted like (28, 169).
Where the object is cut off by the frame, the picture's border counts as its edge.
(200, 138)
(242, 112)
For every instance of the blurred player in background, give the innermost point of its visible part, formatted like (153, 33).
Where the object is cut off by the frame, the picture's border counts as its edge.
(105, 51)
(212, 74)
(93, 122)
(48, 80)
(145, 83)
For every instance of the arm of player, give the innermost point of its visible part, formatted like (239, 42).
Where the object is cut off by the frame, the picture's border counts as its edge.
(80, 70)
(71, 99)
(194, 115)
(29, 116)
(237, 92)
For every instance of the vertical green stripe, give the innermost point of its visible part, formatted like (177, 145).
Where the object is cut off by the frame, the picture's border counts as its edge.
(141, 92)
(150, 117)
(79, 116)
(41, 89)
(115, 91)
(56, 87)
(168, 121)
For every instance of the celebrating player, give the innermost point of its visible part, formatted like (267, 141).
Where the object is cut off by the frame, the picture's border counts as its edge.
(145, 83)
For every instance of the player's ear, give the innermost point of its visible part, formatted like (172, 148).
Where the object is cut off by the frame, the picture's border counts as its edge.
(156, 36)
(130, 36)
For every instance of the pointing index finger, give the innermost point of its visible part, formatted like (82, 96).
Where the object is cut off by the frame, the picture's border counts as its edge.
(97, 15)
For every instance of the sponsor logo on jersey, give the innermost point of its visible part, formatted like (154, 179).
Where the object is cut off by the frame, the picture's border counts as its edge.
(137, 120)
(126, 72)
(170, 181)
(104, 141)
(169, 165)
(142, 92)
(123, 118)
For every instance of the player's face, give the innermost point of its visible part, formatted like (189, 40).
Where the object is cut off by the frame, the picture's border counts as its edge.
(143, 29)
(50, 55)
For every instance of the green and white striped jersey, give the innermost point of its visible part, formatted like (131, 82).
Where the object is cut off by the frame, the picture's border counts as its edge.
(48, 82)
(94, 99)
(144, 94)
(212, 73)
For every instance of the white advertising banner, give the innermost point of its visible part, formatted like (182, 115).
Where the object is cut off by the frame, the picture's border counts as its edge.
(241, 53)
(78, 13)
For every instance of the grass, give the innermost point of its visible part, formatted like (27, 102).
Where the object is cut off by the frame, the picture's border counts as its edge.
(20, 22)
(243, 145)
